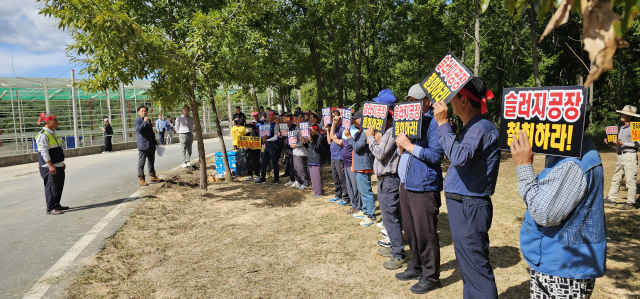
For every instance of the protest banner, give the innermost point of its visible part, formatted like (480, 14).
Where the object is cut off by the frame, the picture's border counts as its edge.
(635, 131)
(264, 130)
(304, 129)
(553, 118)
(612, 133)
(293, 137)
(250, 142)
(407, 119)
(374, 115)
(284, 129)
(326, 115)
(446, 79)
(346, 118)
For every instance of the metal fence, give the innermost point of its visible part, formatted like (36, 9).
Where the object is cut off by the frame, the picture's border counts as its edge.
(23, 99)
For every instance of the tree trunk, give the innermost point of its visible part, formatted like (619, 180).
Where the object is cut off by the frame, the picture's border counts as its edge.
(191, 96)
(337, 63)
(476, 63)
(534, 44)
(357, 63)
(316, 66)
(621, 71)
(513, 51)
(216, 118)
(255, 98)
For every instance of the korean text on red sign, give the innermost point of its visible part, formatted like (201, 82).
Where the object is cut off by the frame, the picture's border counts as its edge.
(304, 129)
(264, 130)
(293, 136)
(612, 133)
(249, 142)
(374, 115)
(346, 118)
(326, 115)
(553, 118)
(407, 119)
(446, 79)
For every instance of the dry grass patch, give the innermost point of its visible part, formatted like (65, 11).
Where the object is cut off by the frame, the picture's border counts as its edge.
(242, 240)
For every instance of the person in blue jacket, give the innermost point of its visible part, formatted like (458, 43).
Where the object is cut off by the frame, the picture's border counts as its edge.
(563, 236)
(363, 167)
(420, 186)
(146, 146)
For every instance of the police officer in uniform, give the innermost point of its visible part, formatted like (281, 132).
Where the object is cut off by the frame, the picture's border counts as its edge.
(51, 161)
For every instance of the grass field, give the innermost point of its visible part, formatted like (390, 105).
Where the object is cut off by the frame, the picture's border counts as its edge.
(242, 240)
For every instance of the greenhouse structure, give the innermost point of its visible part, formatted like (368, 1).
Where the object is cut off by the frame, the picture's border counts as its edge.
(22, 100)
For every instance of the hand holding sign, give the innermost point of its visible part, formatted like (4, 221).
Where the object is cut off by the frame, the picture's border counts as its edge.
(441, 113)
(521, 151)
(402, 141)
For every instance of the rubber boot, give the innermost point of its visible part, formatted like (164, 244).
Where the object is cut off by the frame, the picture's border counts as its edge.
(142, 181)
(154, 178)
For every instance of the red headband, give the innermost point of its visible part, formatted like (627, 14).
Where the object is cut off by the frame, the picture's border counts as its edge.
(487, 96)
(45, 119)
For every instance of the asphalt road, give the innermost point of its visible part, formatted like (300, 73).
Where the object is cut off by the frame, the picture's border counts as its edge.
(31, 242)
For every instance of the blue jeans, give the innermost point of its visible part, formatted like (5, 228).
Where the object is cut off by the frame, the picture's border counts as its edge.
(366, 193)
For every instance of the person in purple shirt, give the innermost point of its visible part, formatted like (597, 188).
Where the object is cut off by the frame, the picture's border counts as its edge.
(469, 184)
(337, 161)
(347, 158)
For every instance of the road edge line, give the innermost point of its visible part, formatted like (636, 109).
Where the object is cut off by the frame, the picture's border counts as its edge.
(42, 286)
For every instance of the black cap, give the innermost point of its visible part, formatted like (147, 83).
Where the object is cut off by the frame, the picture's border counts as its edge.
(287, 114)
(357, 115)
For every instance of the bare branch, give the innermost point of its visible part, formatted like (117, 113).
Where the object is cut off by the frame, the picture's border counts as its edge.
(574, 53)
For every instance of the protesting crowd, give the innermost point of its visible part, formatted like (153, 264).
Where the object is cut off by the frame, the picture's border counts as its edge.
(403, 143)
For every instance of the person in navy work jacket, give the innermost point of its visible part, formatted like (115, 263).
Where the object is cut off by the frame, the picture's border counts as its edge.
(146, 146)
(469, 184)
(563, 237)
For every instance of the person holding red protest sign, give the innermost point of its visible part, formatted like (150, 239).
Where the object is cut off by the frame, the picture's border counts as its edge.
(315, 143)
(563, 236)
(470, 182)
(420, 185)
(627, 163)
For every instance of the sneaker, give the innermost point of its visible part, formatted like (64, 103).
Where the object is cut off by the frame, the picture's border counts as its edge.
(408, 275)
(394, 263)
(334, 199)
(289, 183)
(386, 252)
(250, 178)
(385, 243)
(628, 206)
(294, 185)
(367, 221)
(610, 202)
(384, 233)
(260, 181)
(184, 165)
(302, 187)
(274, 182)
(344, 202)
(359, 215)
(380, 225)
(424, 286)
(188, 164)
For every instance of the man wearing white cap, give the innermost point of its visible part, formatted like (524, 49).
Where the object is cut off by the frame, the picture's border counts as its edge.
(108, 133)
(627, 164)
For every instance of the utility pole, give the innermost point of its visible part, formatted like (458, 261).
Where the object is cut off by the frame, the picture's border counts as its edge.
(75, 112)
(124, 113)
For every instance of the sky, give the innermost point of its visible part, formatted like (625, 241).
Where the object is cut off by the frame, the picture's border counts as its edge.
(37, 44)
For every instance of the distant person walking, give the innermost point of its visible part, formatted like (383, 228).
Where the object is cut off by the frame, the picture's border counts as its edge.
(108, 134)
(160, 126)
(51, 161)
(146, 146)
(168, 129)
(184, 127)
